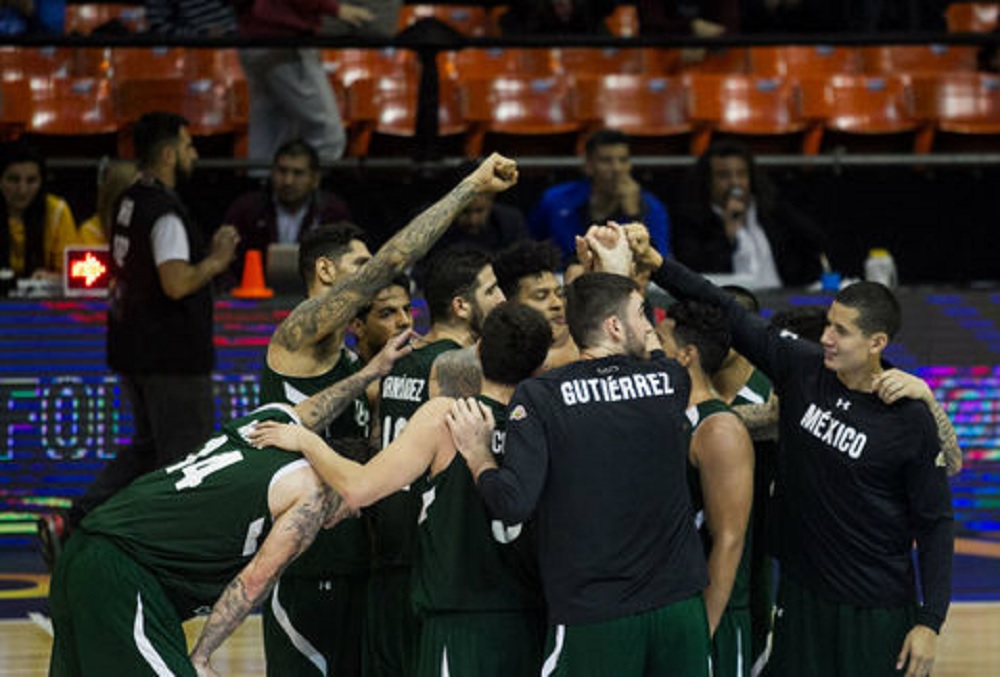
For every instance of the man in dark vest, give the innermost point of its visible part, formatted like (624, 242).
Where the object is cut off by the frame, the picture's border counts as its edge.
(159, 316)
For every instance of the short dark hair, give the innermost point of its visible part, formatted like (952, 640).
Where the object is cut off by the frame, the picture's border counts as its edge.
(522, 259)
(329, 240)
(705, 327)
(515, 342)
(805, 321)
(593, 298)
(401, 280)
(605, 137)
(878, 309)
(152, 132)
(298, 148)
(452, 272)
(744, 297)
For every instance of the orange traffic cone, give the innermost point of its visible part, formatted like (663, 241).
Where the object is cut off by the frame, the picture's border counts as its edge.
(252, 286)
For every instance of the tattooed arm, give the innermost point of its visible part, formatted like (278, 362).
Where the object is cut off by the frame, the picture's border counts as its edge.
(304, 505)
(320, 316)
(761, 420)
(319, 410)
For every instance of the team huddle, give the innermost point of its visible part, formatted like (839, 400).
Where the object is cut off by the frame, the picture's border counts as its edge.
(543, 483)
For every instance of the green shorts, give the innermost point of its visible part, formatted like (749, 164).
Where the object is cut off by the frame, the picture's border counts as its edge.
(731, 645)
(671, 641)
(111, 616)
(315, 627)
(814, 636)
(499, 644)
(391, 627)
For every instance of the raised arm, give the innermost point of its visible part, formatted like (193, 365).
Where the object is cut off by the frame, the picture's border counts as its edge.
(305, 506)
(318, 317)
(722, 450)
(761, 420)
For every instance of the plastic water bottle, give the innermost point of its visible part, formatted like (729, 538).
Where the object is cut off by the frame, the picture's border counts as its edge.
(879, 267)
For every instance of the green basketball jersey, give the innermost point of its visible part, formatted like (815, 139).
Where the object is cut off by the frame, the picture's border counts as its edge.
(466, 560)
(394, 518)
(346, 548)
(740, 596)
(756, 391)
(197, 523)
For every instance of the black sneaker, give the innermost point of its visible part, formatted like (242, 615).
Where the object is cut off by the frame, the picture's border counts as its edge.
(53, 530)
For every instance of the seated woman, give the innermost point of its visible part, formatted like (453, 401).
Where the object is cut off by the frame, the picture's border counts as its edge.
(112, 181)
(39, 225)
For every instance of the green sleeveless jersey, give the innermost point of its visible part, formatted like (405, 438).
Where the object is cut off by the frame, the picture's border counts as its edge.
(466, 560)
(394, 518)
(197, 523)
(756, 391)
(346, 548)
(740, 596)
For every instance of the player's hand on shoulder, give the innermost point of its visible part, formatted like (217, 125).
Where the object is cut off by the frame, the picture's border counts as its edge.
(893, 384)
(471, 425)
(281, 435)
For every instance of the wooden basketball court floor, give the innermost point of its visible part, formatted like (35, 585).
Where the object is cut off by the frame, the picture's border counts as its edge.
(969, 645)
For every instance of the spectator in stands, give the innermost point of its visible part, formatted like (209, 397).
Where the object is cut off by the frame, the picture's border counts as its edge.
(701, 19)
(555, 17)
(486, 224)
(39, 224)
(20, 17)
(113, 178)
(732, 224)
(609, 192)
(191, 17)
(289, 206)
(289, 93)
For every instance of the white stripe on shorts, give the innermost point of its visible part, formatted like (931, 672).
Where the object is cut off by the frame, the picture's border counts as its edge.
(145, 647)
(553, 659)
(303, 645)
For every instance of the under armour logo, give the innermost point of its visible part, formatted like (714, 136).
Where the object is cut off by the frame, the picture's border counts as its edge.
(843, 404)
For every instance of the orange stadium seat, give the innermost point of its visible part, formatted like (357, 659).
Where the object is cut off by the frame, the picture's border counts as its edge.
(85, 18)
(536, 109)
(661, 61)
(72, 116)
(900, 59)
(148, 63)
(796, 61)
(652, 110)
(387, 106)
(29, 62)
(963, 107)
(350, 65)
(875, 111)
(207, 104)
(973, 17)
(483, 64)
(722, 61)
(595, 62)
(471, 20)
(743, 105)
(15, 108)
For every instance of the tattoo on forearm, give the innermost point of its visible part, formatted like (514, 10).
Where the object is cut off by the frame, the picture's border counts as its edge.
(321, 409)
(236, 602)
(947, 438)
(761, 420)
(336, 307)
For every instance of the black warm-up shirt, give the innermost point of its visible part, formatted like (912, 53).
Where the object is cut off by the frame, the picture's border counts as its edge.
(596, 451)
(857, 480)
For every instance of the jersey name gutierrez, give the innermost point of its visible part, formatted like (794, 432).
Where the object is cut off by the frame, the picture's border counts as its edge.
(403, 388)
(833, 432)
(616, 389)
